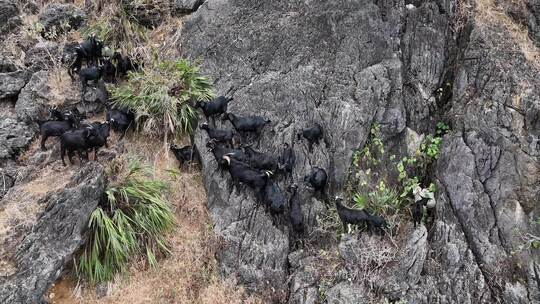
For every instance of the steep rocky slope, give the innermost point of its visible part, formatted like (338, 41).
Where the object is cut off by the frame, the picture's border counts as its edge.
(404, 65)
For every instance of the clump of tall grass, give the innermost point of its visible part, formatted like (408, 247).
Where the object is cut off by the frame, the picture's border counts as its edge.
(131, 221)
(160, 95)
(116, 28)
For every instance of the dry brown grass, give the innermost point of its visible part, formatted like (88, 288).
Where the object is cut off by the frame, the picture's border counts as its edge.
(491, 14)
(190, 273)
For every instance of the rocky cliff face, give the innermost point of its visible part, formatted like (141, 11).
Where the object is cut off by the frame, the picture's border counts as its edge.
(43, 225)
(404, 65)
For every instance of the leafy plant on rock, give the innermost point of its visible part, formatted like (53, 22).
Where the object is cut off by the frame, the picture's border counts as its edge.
(132, 220)
(160, 97)
(385, 185)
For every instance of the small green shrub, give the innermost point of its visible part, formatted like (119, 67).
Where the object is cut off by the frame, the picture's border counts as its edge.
(133, 222)
(159, 96)
(388, 192)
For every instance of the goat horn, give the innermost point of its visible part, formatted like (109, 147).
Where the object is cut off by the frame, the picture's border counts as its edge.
(227, 158)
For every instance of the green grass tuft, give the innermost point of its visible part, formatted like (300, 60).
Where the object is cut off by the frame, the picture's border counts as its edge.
(160, 96)
(134, 222)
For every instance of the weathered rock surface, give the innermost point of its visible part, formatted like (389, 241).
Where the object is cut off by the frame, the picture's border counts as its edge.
(147, 13)
(9, 16)
(320, 75)
(32, 102)
(186, 6)
(348, 64)
(43, 225)
(61, 17)
(346, 293)
(45, 89)
(14, 136)
(6, 64)
(12, 83)
(42, 56)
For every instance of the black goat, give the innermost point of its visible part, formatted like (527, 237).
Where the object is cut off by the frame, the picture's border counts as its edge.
(124, 64)
(317, 179)
(119, 119)
(89, 50)
(418, 211)
(185, 154)
(90, 73)
(219, 151)
(224, 136)
(55, 114)
(109, 70)
(56, 128)
(98, 138)
(75, 140)
(259, 160)
(296, 215)
(312, 134)
(350, 216)
(215, 107)
(376, 222)
(242, 172)
(287, 159)
(247, 123)
(273, 198)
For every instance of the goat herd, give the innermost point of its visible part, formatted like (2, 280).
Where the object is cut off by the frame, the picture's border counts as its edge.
(246, 165)
(258, 169)
(66, 124)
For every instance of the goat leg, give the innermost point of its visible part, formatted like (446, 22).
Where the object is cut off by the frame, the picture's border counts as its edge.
(43, 139)
(62, 154)
(70, 156)
(79, 152)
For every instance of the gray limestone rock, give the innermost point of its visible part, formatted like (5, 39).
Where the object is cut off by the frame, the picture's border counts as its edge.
(12, 83)
(405, 65)
(37, 246)
(14, 136)
(60, 17)
(9, 16)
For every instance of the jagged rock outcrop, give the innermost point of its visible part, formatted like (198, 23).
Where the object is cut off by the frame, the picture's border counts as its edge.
(309, 76)
(60, 17)
(45, 89)
(185, 6)
(43, 225)
(12, 83)
(14, 136)
(34, 97)
(6, 65)
(402, 65)
(42, 56)
(147, 13)
(9, 16)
